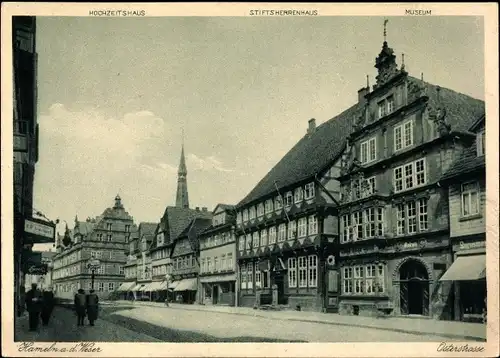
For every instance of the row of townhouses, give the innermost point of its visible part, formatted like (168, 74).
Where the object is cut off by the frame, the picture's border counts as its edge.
(380, 209)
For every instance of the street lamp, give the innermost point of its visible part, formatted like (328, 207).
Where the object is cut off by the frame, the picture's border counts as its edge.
(93, 265)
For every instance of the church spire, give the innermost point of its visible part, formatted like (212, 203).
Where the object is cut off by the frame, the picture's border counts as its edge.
(182, 199)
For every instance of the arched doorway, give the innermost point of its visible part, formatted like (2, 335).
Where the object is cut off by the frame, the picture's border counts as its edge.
(414, 288)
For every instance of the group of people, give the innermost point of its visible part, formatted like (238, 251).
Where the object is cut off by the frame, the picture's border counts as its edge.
(86, 305)
(40, 304)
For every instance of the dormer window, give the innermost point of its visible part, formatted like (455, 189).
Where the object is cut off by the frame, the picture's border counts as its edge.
(386, 106)
(160, 238)
(278, 204)
(381, 109)
(480, 143)
(288, 199)
(299, 194)
(309, 191)
(390, 104)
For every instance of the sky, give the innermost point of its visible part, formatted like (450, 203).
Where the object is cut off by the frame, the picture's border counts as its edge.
(116, 94)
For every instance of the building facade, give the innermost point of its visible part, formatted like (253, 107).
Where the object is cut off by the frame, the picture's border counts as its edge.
(27, 230)
(139, 261)
(287, 227)
(394, 224)
(104, 238)
(185, 261)
(466, 184)
(218, 277)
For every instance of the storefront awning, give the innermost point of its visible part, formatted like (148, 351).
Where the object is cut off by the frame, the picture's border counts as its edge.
(173, 284)
(466, 268)
(188, 284)
(163, 285)
(126, 286)
(155, 286)
(136, 287)
(144, 287)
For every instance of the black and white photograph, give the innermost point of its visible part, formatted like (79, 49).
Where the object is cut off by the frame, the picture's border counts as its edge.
(279, 173)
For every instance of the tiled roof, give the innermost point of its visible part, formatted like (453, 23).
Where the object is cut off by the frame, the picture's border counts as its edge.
(176, 219)
(85, 227)
(312, 154)
(468, 162)
(196, 226)
(317, 151)
(225, 207)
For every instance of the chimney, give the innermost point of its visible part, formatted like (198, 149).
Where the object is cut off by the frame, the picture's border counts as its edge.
(204, 208)
(362, 93)
(197, 208)
(312, 126)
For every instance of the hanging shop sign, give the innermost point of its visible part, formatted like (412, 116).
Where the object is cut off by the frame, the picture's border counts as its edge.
(39, 231)
(37, 269)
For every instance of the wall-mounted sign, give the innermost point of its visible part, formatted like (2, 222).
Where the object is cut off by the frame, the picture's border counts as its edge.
(472, 245)
(37, 269)
(38, 231)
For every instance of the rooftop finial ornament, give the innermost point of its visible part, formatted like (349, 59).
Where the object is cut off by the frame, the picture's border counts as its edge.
(385, 29)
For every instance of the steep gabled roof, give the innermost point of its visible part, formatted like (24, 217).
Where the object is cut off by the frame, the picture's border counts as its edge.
(467, 163)
(317, 151)
(192, 232)
(312, 154)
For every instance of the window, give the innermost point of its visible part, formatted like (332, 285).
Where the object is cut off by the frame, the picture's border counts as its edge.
(303, 271)
(380, 221)
(298, 196)
(93, 255)
(272, 235)
(358, 279)
(99, 237)
(111, 286)
(216, 263)
(257, 279)
(241, 242)
(160, 240)
(243, 277)
(381, 109)
(249, 241)
(269, 206)
(121, 270)
(292, 231)
(260, 210)
(371, 274)
(412, 217)
(101, 286)
(313, 271)
(309, 191)
(410, 175)
(256, 240)
(368, 187)
(203, 263)
(209, 264)
(302, 227)
(263, 237)
(368, 151)
(313, 225)
(292, 272)
(251, 213)
(470, 199)
(127, 228)
(110, 237)
(278, 203)
(229, 261)
(480, 143)
(390, 104)
(239, 218)
(245, 215)
(265, 276)
(345, 229)
(357, 224)
(401, 220)
(108, 226)
(250, 276)
(347, 280)
(369, 222)
(403, 136)
(288, 199)
(282, 233)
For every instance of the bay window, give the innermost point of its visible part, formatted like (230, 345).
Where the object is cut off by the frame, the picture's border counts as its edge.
(357, 223)
(403, 135)
(368, 151)
(470, 199)
(369, 223)
(412, 217)
(380, 221)
(363, 279)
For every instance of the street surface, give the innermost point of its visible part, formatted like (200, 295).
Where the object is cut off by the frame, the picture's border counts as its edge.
(142, 323)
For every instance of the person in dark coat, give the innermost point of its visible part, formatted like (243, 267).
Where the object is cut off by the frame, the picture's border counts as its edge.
(80, 306)
(34, 306)
(47, 306)
(92, 306)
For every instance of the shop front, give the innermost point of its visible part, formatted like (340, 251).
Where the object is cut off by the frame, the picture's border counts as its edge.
(219, 289)
(124, 291)
(468, 275)
(185, 290)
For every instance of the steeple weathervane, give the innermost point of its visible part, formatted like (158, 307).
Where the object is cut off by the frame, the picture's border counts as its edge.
(385, 61)
(385, 29)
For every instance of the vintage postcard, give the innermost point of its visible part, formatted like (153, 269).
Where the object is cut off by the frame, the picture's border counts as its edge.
(250, 179)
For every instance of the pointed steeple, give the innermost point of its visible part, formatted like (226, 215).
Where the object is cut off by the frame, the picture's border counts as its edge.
(385, 61)
(182, 199)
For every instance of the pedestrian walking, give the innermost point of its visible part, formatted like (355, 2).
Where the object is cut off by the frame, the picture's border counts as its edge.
(80, 306)
(34, 306)
(47, 305)
(92, 302)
